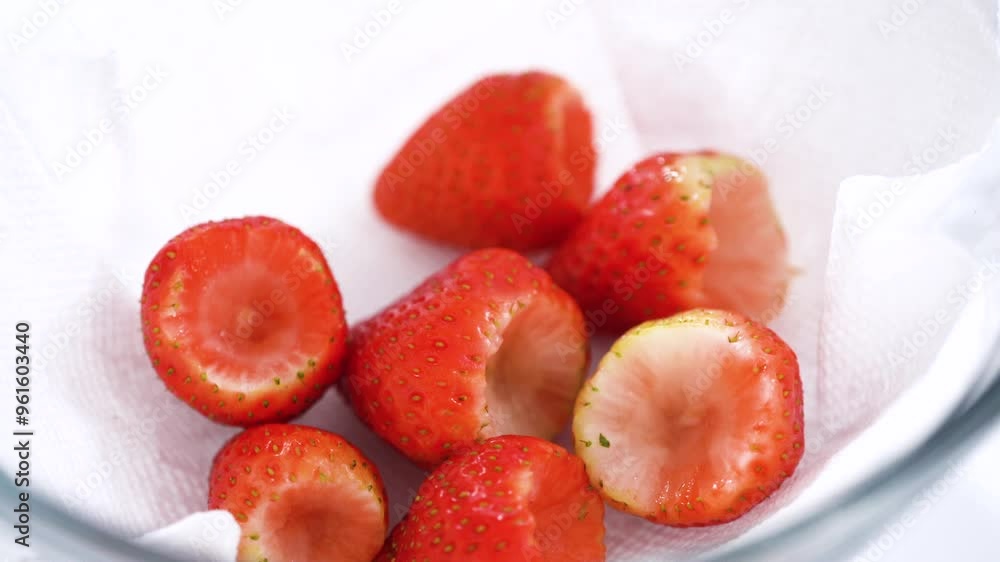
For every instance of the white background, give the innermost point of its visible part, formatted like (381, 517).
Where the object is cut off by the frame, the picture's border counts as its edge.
(212, 73)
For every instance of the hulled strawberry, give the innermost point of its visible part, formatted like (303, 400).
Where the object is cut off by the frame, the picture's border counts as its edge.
(510, 499)
(488, 346)
(300, 494)
(678, 231)
(692, 420)
(242, 319)
(508, 162)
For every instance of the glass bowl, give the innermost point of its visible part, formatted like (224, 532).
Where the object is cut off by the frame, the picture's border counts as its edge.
(833, 528)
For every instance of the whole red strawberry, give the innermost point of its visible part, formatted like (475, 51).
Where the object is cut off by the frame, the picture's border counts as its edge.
(511, 499)
(488, 346)
(508, 162)
(692, 420)
(677, 231)
(242, 319)
(300, 494)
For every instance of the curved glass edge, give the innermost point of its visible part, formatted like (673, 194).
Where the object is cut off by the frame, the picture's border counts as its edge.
(837, 528)
(841, 525)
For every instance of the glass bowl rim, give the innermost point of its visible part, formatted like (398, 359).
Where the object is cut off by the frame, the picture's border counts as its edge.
(965, 426)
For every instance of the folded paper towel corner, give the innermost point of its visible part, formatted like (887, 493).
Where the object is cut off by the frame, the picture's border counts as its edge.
(975, 182)
(822, 96)
(210, 536)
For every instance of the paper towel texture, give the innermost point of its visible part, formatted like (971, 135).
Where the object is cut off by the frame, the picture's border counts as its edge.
(119, 120)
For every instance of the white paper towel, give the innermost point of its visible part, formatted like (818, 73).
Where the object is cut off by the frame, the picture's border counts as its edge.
(814, 92)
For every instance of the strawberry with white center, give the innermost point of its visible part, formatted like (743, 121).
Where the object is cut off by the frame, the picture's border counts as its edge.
(488, 346)
(242, 319)
(692, 420)
(510, 499)
(300, 494)
(678, 231)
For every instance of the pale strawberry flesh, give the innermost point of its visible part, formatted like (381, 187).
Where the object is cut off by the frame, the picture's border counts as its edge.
(487, 346)
(677, 231)
(748, 272)
(333, 520)
(692, 420)
(300, 494)
(243, 320)
(534, 372)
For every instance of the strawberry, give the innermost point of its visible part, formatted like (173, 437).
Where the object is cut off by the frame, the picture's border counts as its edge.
(242, 320)
(692, 420)
(510, 499)
(508, 162)
(487, 346)
(677, 231)
(300, 494)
